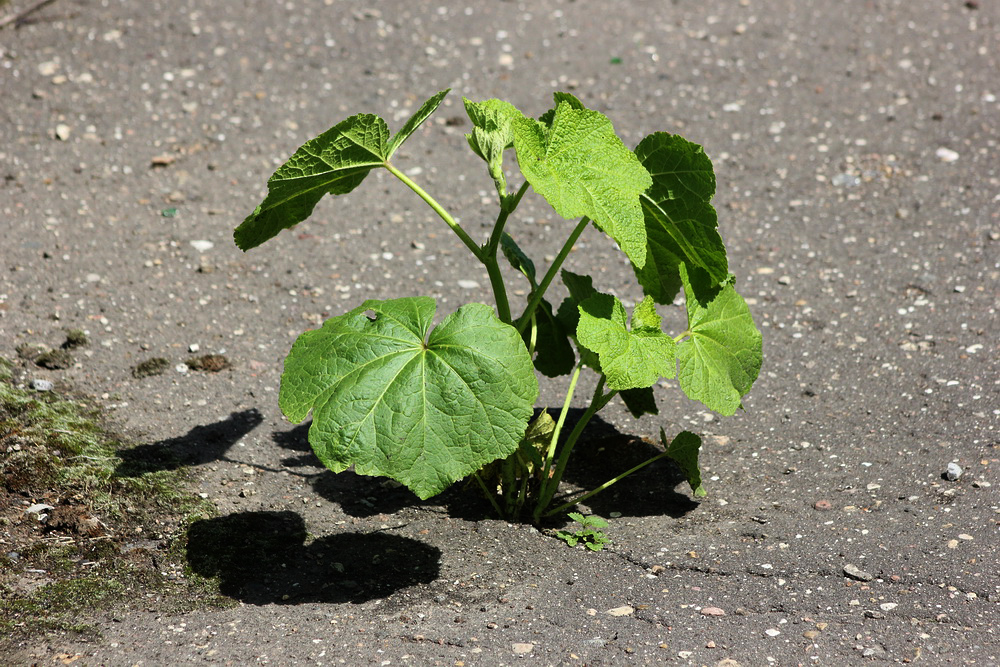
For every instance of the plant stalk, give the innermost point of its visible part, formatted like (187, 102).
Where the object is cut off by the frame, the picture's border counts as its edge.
(537, 294)
(602, 487)
(599, 400)
(488, 255)
(550, 454)
(489, 496)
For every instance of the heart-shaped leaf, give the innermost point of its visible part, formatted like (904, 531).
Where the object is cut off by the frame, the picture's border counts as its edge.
(630, 358)
(582, 168)
(679, 218)
(394, 398)
(721, 356)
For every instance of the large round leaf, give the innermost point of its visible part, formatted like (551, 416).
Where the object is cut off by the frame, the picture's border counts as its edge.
(391, 400)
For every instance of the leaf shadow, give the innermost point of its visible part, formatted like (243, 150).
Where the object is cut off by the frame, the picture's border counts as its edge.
(602, 453)
(202, 444)
(363, 496)
(264, 558)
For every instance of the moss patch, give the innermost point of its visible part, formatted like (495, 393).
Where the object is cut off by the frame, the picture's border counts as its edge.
(79, 537)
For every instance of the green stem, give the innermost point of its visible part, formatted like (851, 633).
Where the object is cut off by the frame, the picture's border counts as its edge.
(550, 454)
(508, 477)
(533, 339)
(444, 215)
(598, 401)
(489, 496)
(536, 295)
(593, 492)
(488, 255)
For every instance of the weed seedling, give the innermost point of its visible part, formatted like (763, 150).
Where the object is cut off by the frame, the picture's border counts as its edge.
(589, 535)
(393, 396)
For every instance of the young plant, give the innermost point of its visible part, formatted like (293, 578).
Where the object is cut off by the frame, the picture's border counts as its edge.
(427, 406)
(589, 535)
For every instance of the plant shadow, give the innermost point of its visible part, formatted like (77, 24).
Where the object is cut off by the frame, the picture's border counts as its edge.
(602, 453)
(200, 445)
(263, 558)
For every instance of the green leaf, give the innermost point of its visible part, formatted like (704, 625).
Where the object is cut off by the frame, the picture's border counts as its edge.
(681, 224)
(422, 114)
(684, 450)
(536, 439)
(520, 261)
(580, 289)
(491, 134)
(334, 163)
(721, 356)
(639, 401)
(630, 358)
(554, 355)
(393, 398)
(568, 98)
(583, 169)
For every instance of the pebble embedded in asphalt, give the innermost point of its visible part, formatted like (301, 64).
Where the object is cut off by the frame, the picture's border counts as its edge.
(953, 472)
(855, 572)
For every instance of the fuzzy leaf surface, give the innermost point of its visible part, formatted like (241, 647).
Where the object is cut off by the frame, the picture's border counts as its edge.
(721, 356)
(683, 449)
(396, 399)
(630, 358)
(582, 168)
(681, 223)
(491, 132)
(333, 163)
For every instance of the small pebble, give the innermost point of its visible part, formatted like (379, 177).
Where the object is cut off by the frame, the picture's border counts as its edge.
(712, 611)
(523, 648)
(621, 611)
(953, 472)
(855, 572)
(823, 505)
(468, 284)
(62, 131)
(946, 154)
(41, 385)
(888, 606)
(772, 632)
(202, 246)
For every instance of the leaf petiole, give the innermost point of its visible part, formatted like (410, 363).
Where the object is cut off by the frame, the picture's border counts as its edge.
(597, 402)
(593, 492)
(536, 296)
(442, 213)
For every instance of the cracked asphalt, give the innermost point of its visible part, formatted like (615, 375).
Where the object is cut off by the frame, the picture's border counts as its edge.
(855, 146)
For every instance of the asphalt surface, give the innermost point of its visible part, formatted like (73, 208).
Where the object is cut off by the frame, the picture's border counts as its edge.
(855, 146)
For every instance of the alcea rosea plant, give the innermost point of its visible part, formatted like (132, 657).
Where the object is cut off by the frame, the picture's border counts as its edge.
(427, 406)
